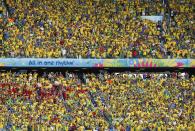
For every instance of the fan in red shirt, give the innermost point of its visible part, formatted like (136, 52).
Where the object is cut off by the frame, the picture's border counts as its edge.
(65, 95)
(109, 81)
(27, 93)
(135, 53)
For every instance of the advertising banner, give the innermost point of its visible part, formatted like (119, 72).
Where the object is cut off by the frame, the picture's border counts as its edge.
(153, 18)
(39, 62)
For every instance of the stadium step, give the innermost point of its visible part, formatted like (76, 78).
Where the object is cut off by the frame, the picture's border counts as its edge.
(92, 99)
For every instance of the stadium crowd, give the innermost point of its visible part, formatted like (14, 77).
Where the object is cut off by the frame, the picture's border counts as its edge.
(104, 101)
(98, 29)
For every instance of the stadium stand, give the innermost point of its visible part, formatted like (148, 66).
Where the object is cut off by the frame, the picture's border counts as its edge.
(97, 65)
(104, 101)
(98, 29)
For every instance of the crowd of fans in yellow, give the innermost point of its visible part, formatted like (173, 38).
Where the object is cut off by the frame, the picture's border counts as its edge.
(98, 29)
(104, 101)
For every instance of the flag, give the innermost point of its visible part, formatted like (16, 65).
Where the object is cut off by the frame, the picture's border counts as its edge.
(10, 22)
